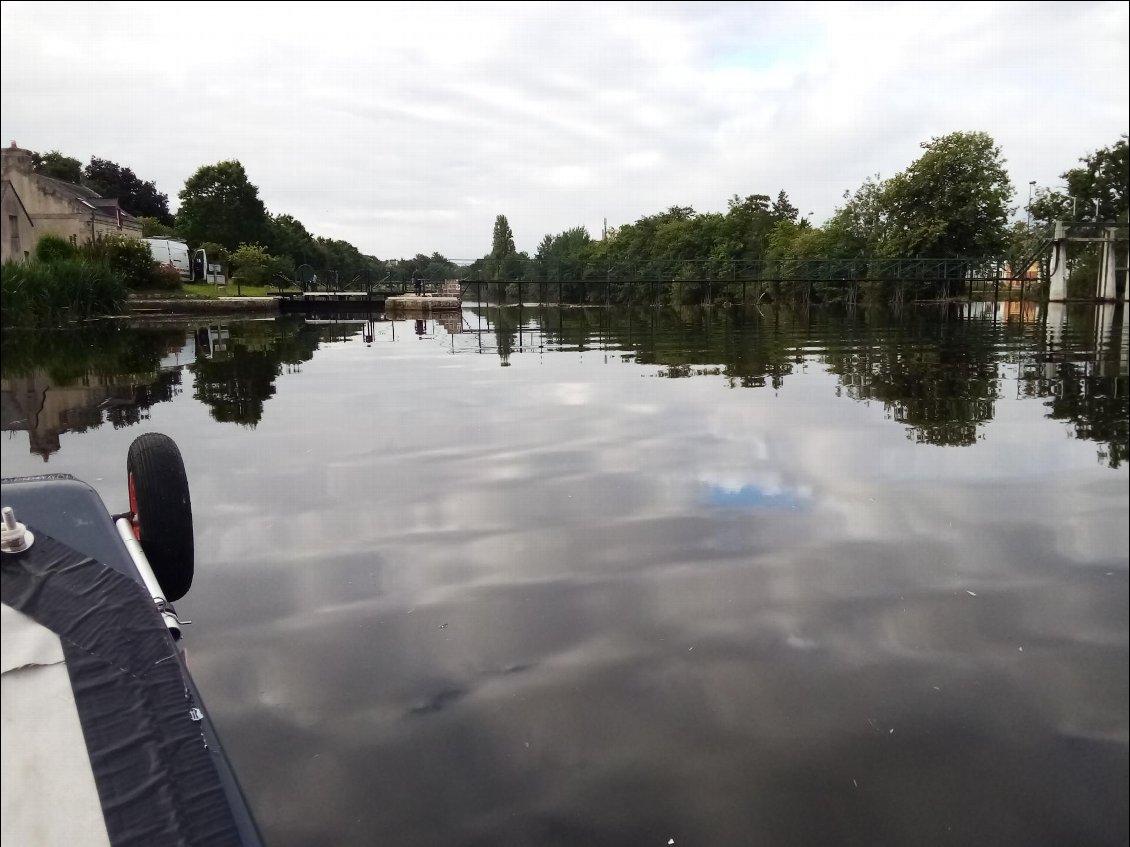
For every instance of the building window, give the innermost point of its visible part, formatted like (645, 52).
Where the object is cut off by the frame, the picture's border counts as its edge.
(14, 229)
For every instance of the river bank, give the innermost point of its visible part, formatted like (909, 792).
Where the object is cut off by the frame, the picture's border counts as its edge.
(201, 305)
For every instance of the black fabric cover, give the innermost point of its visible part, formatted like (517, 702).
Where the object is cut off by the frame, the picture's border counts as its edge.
(154, 771)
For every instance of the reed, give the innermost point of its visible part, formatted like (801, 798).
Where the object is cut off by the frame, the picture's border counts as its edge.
(38, 294)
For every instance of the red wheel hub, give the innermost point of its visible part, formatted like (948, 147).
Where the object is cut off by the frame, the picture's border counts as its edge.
(133, 509)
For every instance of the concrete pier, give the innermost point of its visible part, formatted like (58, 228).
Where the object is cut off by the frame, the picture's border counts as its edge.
(422, 303)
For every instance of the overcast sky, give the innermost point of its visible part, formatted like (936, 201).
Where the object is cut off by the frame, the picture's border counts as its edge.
(406, 128)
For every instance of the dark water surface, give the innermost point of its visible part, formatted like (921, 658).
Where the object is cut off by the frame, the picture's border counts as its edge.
(579, 577)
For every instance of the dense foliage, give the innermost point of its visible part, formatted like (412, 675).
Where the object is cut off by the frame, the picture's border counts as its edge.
(127, 257)
(1104, 176)
(137, 196)
(952, 201)
(219, 203)
(36, 293)
(109, 179)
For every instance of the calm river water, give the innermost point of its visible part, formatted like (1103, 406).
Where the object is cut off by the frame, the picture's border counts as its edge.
(586, 577)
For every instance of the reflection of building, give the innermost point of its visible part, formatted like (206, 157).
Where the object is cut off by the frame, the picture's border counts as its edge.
(46, 406)
(45, 411)
(36, 205)
(452, 322)
(1024, 311)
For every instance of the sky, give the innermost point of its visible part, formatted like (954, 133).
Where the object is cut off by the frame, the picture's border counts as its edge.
(407, 128)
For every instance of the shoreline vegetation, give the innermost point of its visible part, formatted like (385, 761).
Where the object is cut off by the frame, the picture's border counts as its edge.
(952, 202)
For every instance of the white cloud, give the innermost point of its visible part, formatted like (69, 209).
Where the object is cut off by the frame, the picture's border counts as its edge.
(406, 128)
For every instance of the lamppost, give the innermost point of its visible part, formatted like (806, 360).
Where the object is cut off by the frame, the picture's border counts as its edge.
(1096, 210)
(1031, 185)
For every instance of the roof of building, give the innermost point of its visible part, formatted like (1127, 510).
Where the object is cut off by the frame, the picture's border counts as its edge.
(102, 206)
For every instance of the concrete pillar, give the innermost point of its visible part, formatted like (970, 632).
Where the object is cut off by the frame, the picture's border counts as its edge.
(1057, 290)
(1107, 280)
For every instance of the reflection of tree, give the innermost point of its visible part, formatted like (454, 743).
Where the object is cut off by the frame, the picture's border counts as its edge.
(942, 386)
(1098, 407)
(110, 350)
(74, 380)
(679, 339)
(506, 331)
(1080, 372)
(236, 386)
(935, 372)
(166, 386)
(236, 383)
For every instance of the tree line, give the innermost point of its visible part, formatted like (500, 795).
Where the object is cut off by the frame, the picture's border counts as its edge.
(221, 211)
(952, 202)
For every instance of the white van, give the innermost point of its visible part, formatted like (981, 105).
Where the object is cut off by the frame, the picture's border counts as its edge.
(168, 251)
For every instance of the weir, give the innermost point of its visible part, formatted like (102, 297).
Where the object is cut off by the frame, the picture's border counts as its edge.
(1110, 281)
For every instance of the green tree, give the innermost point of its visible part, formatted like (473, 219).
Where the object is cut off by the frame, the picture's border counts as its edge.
(1104, 177)
(253, 264)
(151, 227)
(783, 210)
(286, 236)
(55, 164)
(343, 258)
(499, 264)
(952, 201)
(561, 255)
(219, 203)
(860, 226)
(502, 241)
(749, 222)
(136, 196)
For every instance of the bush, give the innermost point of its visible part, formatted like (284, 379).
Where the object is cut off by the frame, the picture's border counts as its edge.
(253, 264)
(151, 227)
(128, 257)
(51, 293)
(165, 277)
(53, 248)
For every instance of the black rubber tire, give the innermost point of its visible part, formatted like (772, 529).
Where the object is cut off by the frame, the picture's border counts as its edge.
(162, 511)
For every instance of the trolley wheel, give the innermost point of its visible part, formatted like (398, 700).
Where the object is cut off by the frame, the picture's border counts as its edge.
(162, 511)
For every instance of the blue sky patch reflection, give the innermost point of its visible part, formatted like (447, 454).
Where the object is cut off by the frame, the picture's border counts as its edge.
(751, 497)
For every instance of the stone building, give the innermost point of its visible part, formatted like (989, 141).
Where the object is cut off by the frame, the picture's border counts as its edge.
(35, 205)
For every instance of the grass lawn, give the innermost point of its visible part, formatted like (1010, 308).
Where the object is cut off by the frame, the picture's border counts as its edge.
(204, 290)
